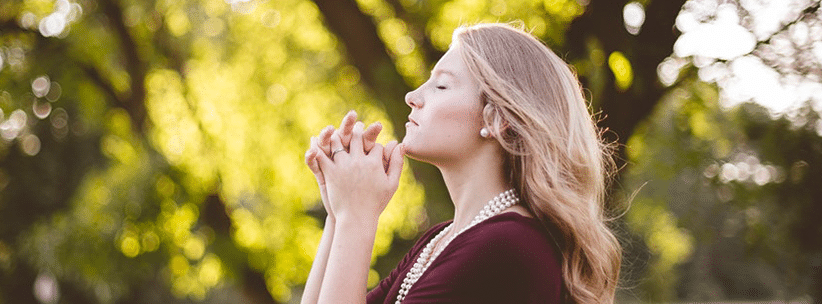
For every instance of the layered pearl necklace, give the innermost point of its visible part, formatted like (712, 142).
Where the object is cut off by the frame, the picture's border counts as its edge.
(495, 206)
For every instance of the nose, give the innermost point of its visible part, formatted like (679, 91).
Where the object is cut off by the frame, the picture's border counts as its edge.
(412, 100)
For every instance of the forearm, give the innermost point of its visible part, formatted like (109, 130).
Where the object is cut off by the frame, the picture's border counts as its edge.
(346, 274)
(315, 278)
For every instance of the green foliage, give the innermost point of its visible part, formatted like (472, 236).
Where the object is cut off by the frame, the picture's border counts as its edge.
(232, 96)
(716, 206)
(667, 153)
(231, 93)
(151, 151)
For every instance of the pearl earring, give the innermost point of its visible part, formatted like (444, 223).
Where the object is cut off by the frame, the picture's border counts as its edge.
(484, 133)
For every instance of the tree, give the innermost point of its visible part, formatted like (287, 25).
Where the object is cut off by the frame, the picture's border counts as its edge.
(166, 137)
(622, 67)
(728, 154)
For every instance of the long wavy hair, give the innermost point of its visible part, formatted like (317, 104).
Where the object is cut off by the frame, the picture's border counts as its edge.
(555, 154)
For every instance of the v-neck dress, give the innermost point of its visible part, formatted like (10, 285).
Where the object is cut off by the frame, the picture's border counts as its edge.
(508, 258)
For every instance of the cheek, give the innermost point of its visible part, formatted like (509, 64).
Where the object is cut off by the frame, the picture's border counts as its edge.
(451, 116)
(457, 119)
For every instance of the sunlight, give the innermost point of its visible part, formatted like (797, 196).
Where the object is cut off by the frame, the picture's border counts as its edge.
(668, 70)
(634, 16)
(724, 47)
(40, 86)
(30, 145)
(56, 23)
(751, 79)
(46, 288)
(721, 39)
(41, 108)
(10, 128)
(769, 14)
(621, 67)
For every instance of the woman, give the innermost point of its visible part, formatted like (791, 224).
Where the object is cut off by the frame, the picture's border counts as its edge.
(503, 119)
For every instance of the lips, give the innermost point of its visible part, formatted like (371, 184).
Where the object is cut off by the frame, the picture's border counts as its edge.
(412, 121)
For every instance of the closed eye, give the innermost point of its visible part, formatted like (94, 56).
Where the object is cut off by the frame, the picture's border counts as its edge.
(441, 88)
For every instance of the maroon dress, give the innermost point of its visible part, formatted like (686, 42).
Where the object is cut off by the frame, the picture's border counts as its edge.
(508, 258)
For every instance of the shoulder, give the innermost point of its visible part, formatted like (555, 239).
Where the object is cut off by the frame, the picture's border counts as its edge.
(513, 237)
(507, 256)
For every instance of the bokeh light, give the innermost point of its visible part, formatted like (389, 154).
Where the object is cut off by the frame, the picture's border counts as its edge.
(732, 51)
(41, 108)
(633, 15)
(10, 128)
(57, 23)
(40, 86)
(169, 155)
(46, 289)
(621, 67)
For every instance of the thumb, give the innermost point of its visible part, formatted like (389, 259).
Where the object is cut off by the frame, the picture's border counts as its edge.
(396, 163)
(323, 161)
(389, 149)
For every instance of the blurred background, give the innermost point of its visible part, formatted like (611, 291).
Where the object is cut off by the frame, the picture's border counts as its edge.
(151, 151)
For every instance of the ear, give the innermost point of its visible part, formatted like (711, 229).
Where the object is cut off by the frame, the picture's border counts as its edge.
(492, 119)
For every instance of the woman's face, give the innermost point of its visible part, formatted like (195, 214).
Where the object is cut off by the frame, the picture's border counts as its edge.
(446, 113)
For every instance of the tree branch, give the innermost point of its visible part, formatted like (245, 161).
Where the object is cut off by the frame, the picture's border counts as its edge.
(368, 54)
(603, 22)
(135, 102)
(101, 81)
(10, 25)
(416, 27)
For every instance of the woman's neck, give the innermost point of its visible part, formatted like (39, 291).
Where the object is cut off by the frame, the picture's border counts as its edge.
(472, 183)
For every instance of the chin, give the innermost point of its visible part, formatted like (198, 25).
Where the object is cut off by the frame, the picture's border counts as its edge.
(420, 154)
(411, 150)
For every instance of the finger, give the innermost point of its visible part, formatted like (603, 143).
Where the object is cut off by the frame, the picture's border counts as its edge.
(389, 148)
(325, 139)
(309, 157)
(327, 160)
(356, 139)
(395, 164)
(369, 136)
(377, 152)
(346, 127)
(337, 148)
(311, 160)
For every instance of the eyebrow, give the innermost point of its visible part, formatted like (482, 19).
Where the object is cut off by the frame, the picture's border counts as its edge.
(438, 72)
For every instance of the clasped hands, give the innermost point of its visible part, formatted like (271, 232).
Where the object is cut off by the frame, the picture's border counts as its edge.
(356, 175)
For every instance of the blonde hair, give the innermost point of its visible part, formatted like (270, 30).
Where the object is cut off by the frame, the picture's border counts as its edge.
(556, 158)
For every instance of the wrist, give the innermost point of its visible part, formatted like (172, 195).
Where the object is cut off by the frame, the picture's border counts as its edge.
(353, 223)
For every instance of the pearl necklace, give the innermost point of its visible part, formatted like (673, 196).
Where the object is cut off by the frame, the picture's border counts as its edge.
(501, 202)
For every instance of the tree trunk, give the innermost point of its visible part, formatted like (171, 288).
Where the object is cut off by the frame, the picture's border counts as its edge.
(368, 54)
(602, 21)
